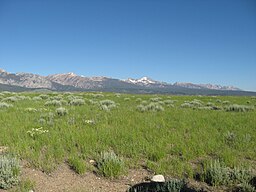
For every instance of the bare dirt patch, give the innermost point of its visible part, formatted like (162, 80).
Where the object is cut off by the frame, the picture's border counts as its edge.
(63, 179)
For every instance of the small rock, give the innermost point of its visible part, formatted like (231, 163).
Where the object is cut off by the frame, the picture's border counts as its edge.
(158, 178)
(92, 162)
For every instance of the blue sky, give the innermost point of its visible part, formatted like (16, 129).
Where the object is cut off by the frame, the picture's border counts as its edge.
(199, 41)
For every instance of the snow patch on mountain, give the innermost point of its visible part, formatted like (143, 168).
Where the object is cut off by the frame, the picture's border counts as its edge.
(142, 81)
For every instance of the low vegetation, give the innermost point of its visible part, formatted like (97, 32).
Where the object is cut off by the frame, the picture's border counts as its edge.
(216, 173)
(9, 171)
(110, 165)
(77, 164)
(177, 136)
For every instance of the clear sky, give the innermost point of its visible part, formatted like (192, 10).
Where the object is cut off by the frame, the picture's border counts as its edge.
(199, 41)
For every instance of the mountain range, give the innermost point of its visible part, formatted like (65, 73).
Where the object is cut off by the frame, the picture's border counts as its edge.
(73, 82)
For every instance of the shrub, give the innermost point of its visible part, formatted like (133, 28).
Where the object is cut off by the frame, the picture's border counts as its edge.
(239, 108)
(61, 111)
(37, 98)
(53, 103)
(98, 95)
(186, 105)
(57, 97)
(9, 171)
(141, 108)
(209, 104)
(5, 105)
(155, 99)
(110, 165)
(226, 102)
(247, 138)
(197, 102)
(173, 185)
(93, 102)
(205, 108)
(170, 105)
(144, 103)
(246, 187)
(42, 121)
(63, 102)
(107, 105)
(107, 102)
(160, 103)
(10, 99)
(22, 97)
(138, 100)
(192, 104)
(230, 138)
(168, 102)
(154, 107)
(7, 92)
(29, 109)
(77, 165)
(48, 117)
(240, 175)
(77, 102)
(43, 96)
(216, 174)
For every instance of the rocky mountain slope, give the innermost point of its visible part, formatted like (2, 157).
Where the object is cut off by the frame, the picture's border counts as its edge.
(206, 86)
(73, 82)
(31, 81)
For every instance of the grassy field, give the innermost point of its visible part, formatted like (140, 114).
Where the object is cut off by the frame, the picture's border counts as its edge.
(176, 136)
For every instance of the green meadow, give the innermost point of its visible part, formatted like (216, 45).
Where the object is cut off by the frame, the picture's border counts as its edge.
(177, 136)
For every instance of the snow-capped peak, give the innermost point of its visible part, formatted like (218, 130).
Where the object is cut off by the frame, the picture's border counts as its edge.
(141, 81)
(146, 80)
(71, 74)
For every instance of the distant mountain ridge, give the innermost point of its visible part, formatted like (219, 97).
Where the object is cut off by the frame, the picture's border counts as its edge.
(149, 82)
(207, 86)
(73, 82)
